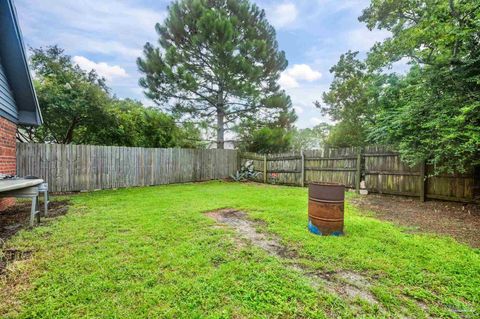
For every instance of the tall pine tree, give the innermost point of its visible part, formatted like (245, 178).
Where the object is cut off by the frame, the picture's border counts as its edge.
(218, 62)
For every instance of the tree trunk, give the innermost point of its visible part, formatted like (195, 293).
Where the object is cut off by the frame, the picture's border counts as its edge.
(220, 129)
(220, 120)
(69, 136)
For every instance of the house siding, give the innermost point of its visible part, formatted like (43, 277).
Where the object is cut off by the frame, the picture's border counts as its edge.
(8, 107)
(8, 164)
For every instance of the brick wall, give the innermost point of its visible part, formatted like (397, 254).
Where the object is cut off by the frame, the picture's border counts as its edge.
(7, 154)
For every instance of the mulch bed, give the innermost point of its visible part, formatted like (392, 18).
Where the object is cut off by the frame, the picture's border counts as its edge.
(461, 221)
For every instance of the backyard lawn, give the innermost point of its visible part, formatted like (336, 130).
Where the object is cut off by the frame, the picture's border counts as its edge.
(155, 253)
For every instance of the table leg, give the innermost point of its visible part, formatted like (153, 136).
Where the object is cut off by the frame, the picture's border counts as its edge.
(45, 198)
(33, 211)
(38, 211)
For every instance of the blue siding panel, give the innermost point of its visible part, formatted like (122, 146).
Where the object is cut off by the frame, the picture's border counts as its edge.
(7, 102)
(16, 81)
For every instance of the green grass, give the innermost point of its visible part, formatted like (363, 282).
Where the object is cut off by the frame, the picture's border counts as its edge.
(151, 253)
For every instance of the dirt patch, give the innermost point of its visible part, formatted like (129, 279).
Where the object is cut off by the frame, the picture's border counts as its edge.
(11, 255)
(346, 284)
(247, 229)
(17, 217)
(461, 221)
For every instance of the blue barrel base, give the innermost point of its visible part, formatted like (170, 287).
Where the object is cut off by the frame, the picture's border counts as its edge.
(314, 230)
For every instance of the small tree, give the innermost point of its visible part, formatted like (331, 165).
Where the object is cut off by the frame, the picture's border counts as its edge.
(218, 62)
(133, 124)
(72, 101)
(268, 135)
(310, 138)
(352, 100)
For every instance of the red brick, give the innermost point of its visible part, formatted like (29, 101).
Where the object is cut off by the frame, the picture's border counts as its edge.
(7, 154)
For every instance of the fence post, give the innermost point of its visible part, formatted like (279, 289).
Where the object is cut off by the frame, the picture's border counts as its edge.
(265, 168)
(358, 174)
(422, 181)
(239, 160)
(302, 181)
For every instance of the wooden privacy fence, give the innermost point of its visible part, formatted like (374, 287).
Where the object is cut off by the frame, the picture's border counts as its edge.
(300, 168)
(379, 166)
(69, 168)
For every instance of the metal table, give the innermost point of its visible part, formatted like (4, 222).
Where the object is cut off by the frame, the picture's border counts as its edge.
(25, 188)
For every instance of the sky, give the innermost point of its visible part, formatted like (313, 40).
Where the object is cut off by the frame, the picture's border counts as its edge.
(109, 35)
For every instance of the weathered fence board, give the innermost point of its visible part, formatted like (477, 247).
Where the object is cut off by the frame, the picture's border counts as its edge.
(379, 166)
(69, 168)
(299, 168)
(450, 186)
(385, 173)
(331, 165)
(84, 167)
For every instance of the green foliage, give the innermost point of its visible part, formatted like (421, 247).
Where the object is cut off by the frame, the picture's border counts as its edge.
(352, 100)
(152, 253)
(310, 138)
(346, 134)
(135, 125)
(266, 140)
(218, 62)
(433, 112)
(71, 100)
(266, 133)
(429, 32)
(436, 112)
(246, 172)
(77, 108)
(347, 99)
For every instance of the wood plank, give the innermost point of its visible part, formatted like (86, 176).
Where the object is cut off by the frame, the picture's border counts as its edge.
(84, 167)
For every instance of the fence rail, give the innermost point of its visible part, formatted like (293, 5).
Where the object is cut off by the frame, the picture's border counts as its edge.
(84, 167)
(69, 168)
(379, 166)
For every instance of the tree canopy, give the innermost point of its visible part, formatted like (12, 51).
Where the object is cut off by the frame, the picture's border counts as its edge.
(218, 62)
(432, 112)
(310, 138)
(71, 100)
(266, 134)
(78, 108)
(351, 100)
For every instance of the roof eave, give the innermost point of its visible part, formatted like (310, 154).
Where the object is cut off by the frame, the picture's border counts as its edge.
(27, 119)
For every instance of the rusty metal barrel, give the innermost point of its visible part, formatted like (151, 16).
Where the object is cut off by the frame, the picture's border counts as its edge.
(326, 208)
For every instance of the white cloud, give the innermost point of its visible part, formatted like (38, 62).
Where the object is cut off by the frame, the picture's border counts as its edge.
(336, 6)
(316, 120)
(109, 72)
(362, 39)
(287, 82)
(113, 48)
(303, 98)
(291, 77)
(402, 66)
(303, 72)
(109, 34)
(283, 15)
(298, 109)
(90, 26)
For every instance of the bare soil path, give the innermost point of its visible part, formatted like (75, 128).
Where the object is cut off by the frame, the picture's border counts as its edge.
(345, 284)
